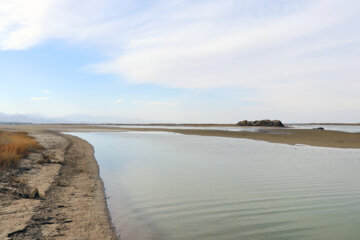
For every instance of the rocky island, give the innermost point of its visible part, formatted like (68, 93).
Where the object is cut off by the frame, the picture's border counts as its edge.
(261, 123)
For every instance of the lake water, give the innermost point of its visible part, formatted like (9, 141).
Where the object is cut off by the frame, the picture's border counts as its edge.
(340, 128)
(172, 186)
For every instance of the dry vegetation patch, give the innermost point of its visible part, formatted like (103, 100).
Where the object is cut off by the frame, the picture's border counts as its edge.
(14, 146)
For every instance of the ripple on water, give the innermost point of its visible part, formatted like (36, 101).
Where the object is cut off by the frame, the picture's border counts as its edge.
(172, 186)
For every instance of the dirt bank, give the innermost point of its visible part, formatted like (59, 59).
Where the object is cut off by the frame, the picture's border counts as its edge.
(67, 174)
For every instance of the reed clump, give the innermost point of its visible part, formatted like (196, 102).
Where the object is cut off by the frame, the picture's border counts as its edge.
(14, 146)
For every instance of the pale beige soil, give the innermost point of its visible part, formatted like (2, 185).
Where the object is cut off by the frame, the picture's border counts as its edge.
(74, 206)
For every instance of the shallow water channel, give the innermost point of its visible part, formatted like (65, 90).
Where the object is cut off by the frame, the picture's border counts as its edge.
(172, 186)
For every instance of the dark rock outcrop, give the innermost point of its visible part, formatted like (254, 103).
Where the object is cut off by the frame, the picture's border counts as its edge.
(261, 123)
(319, 128)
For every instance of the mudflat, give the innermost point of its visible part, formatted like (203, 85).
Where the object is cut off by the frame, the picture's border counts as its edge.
(319, 138)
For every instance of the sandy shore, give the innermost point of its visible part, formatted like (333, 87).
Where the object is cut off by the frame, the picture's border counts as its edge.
(67, 173)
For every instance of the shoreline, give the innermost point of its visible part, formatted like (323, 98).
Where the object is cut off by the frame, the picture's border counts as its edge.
(75, 203)
(104, 228)
(291, 136)
(315, 138)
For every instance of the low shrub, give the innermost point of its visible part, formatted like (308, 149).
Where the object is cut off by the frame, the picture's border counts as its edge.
(14, 146)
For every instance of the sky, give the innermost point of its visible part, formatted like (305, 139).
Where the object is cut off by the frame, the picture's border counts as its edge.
(218, 61)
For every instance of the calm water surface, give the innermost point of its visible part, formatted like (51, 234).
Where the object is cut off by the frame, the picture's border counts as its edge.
(340, 128)
(172, 186)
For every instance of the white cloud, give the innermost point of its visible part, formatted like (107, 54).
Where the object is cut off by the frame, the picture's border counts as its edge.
(136, 101)
(225, 54)
(47, 91)
(286, 50)
(172, 104)
(22, 22)
(119, 101)
(39, 98)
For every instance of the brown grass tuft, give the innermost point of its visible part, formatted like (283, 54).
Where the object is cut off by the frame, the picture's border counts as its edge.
(14, 146)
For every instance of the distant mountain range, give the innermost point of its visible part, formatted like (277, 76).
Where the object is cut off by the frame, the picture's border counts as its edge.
(75, 118)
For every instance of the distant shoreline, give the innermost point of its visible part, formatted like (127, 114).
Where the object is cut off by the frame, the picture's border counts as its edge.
(219, 124)
(172, 124)
(319, 138)
(326, 124)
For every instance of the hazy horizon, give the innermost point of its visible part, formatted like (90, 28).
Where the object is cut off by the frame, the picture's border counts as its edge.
(181, 61)
(89, 119)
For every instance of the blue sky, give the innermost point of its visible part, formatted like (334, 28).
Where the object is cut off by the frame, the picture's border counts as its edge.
(182, 60)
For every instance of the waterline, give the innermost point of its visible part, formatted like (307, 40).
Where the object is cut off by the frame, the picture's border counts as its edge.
(172, 186)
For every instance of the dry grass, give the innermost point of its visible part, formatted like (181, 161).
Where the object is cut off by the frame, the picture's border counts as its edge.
(14, 146)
